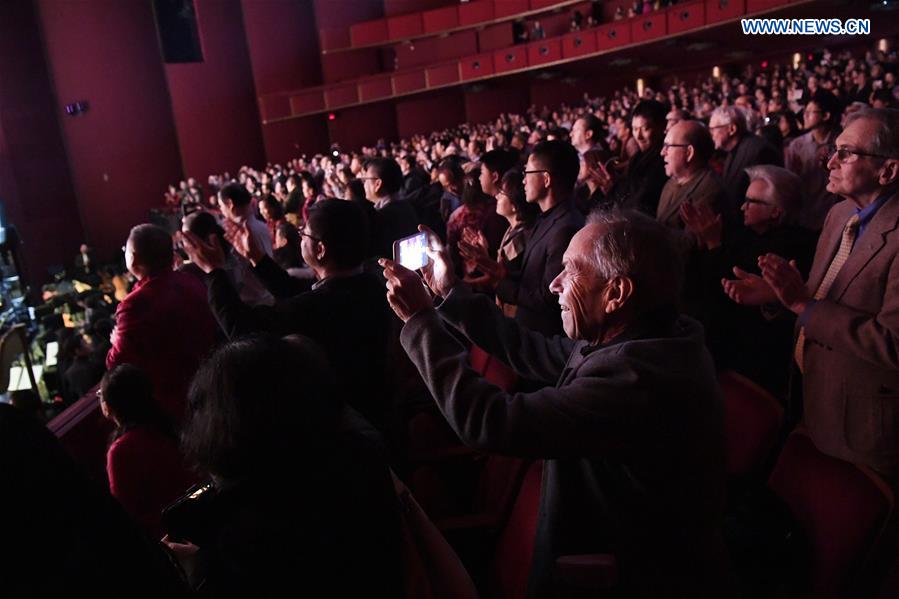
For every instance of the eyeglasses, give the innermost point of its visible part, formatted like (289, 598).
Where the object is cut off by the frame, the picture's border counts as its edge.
(848, 155)
(368, 178)
(536, 171)
(666, 146)
(755, 201)
(309, 235)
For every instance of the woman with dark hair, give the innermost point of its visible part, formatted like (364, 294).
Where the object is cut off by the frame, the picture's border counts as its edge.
(788, 125)
(204, 226)
(299, 495)
(145, 469)
(272, 213)
(520, 215)
(477, 213)
(597, 175)
(311, 192)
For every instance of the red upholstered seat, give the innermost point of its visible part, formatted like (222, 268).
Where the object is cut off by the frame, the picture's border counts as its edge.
(515, 548)
(753, 418)
(841, 507)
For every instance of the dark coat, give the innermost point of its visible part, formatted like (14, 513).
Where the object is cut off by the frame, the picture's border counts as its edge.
(348, 316)
(538, 308)
(631, 431)
(641, 188)
(397, 219)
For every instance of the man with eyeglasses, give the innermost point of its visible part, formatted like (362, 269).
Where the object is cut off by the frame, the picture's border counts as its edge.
(393, 217)
(686, 152)
(345, 311)
(807, 154)
(549, 179)
(847, 342)
(755, 342)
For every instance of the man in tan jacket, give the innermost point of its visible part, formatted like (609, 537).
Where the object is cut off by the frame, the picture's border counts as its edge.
(847, 343)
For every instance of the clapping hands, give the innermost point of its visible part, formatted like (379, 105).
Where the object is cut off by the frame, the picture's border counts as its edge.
(703, 223)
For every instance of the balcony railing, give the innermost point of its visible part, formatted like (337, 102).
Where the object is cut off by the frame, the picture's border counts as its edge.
(610, 37)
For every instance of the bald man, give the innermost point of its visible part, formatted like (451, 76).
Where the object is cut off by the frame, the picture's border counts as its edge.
(686, 151)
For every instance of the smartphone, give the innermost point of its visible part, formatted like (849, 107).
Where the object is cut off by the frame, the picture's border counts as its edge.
(410, 251)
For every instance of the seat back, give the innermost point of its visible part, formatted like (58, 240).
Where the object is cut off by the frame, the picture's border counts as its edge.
(432, 569)
(753, 418)
(841, 507)
(498, 485)
(515, 547)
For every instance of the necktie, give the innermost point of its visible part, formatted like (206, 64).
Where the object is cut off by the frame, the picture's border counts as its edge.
(846, 242)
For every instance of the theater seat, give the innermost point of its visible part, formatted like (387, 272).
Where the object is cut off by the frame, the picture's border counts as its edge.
(753, 418)
(841, 507)
(515, 547)
(431, 568)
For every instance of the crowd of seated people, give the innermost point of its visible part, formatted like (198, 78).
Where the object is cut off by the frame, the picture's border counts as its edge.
(616, 255)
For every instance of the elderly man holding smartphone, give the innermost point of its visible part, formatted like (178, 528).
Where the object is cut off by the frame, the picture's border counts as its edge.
(629, 419)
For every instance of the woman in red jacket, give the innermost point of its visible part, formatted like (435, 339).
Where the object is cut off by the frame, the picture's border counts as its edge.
(143, 463)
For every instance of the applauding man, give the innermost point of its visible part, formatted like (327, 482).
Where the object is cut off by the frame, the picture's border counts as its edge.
(847, 341)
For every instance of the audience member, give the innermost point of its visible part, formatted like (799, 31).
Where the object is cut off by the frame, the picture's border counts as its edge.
(549, 179)
(754, 341)
(743, 149)
(806, 156)
(641, 186)
(164, 326)
(203, 225)
(635, 378)
(846, 345)
(394, 217)
(300, 493)
(145, 469)
(687, 150)
(344, 312)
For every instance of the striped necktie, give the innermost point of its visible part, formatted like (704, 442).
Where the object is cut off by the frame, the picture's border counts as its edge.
(846, 242)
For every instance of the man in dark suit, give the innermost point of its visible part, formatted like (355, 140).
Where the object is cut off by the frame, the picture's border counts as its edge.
(345, 310)
(728, 128)
(394, 217)
(641, 187)
(847, 342)
(295, 199)
(414, 177)
(629, 417)
(549, 179)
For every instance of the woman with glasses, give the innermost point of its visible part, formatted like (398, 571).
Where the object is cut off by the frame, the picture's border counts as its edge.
(753, 342)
